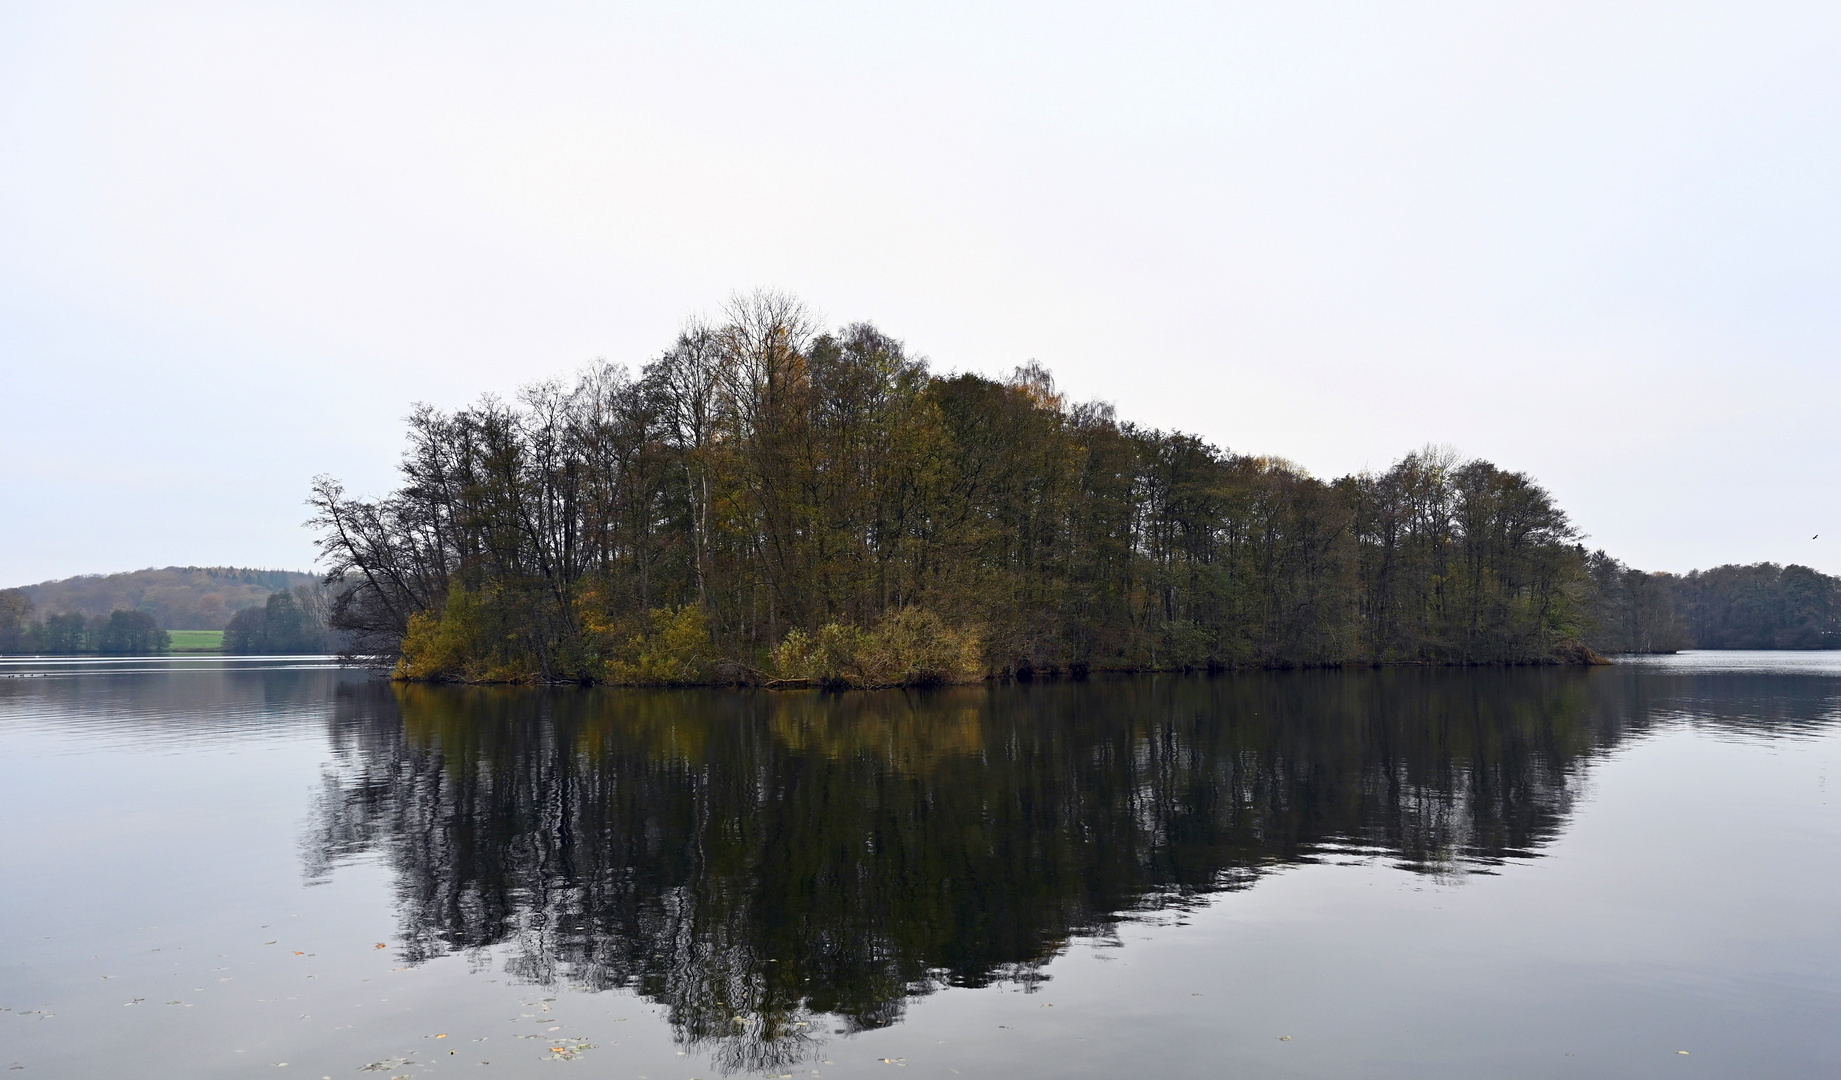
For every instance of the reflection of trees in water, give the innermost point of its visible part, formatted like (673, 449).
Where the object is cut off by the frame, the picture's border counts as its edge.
(756, 861)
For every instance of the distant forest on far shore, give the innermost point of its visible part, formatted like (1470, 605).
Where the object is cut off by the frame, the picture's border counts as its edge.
(771, 502)
(178, 597)
(290, 621)
(1762, 606)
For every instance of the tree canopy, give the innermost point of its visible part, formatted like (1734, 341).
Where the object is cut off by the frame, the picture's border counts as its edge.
(178, 597)
(769, 479)
(1761, 606)
(283, 624)
(130, 633)
(120, 633)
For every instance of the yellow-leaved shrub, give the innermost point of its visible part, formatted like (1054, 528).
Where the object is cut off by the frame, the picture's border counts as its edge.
(907, 647)
(456, 645)
(673, 650)
(669, 646)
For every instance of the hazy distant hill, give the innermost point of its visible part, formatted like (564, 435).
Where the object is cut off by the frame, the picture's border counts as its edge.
(178, 597)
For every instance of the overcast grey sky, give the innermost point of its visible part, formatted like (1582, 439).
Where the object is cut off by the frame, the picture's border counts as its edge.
(1596, 242)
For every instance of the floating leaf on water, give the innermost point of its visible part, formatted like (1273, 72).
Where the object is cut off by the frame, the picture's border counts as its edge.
(570, 1049)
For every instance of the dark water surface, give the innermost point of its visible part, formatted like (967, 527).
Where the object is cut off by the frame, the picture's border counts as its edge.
(277, 868)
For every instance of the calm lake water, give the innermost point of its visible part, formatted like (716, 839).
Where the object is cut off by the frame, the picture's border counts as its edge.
(277, 868)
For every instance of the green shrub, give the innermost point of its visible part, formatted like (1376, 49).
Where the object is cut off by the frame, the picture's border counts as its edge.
(1184, 646)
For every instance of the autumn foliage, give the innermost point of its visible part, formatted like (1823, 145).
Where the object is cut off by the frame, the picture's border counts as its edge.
(767, 502)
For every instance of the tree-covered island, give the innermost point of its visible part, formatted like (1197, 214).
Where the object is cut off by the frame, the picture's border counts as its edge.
(768, 502)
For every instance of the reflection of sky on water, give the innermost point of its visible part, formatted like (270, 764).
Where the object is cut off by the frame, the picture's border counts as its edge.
(1825, 662)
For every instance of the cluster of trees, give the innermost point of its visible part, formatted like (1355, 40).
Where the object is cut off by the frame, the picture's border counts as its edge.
(120, 633)
(773, 479)
(178, 597)
(1763, 606)
(287, 622)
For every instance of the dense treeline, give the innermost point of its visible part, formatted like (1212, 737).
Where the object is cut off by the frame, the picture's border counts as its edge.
(120, 633)
(765, 500)
(1763, 606)
(287, 622)
(178, 597)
